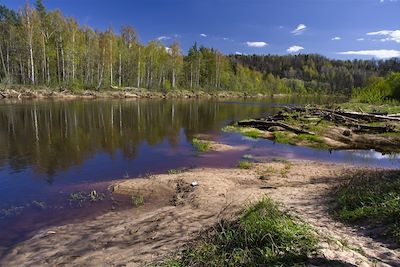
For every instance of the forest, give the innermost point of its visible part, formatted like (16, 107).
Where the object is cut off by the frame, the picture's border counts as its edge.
(44, 48)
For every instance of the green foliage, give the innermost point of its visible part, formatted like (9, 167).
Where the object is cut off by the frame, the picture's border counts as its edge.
(201, 145)
(137, 200)
(174, 171)
(379, 90)
(313, 140)
(262, 236)
(372, 196)
(283, 137)
(91, 59)
(244, 164)
(249, 132)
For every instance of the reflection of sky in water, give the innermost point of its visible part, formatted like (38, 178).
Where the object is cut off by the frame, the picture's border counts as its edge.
(51, 147)
(269, 149)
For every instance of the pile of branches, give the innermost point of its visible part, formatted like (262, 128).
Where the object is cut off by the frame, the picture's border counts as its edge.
(355, 121)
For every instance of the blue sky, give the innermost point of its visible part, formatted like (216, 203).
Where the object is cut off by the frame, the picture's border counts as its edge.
(335, 28)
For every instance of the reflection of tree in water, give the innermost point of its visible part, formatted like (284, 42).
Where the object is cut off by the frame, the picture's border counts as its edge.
(51, 136)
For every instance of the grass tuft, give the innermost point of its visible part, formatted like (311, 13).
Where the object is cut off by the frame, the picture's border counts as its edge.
(244, 164)
(372, 197)
(262, 236)
(201, 145)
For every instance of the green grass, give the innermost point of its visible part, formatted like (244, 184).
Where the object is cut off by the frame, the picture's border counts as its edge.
(366, 107)
(262, 236)
(246, 131)
(137, 200)
(314, 141)
(372, 197)
(283, 138)
(244, 164)
(201, 145)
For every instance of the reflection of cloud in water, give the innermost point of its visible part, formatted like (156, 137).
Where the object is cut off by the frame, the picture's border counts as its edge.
(372, 154)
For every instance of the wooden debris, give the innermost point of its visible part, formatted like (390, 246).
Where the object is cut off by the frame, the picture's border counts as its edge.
(265, 125)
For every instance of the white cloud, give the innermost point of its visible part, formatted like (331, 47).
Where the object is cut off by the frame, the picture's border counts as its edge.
(294, 49)
(203, 35)
(337, 38)
(360, 39)
(390, 35)
(163, 38)
(300, 29)
(382, 54)
(238, 53)
(256, 44)
(388, 1)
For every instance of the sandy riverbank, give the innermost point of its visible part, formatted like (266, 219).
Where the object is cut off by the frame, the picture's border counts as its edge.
(175, 212)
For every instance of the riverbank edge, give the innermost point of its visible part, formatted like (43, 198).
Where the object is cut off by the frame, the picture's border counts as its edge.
(17, 92)
(219, 194)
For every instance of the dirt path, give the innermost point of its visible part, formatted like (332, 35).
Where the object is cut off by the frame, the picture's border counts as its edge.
(175, 212)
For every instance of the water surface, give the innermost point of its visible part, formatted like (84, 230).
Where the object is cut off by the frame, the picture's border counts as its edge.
(52, 148)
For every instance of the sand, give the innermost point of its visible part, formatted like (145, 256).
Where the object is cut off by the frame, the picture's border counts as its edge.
(175, 212)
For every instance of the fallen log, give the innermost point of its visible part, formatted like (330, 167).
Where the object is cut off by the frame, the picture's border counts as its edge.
(265, 125)
(360, 128)
(367, 116)
(351, 114)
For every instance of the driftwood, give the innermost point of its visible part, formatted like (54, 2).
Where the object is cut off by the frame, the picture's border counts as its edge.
(370, 117)
(266, 125)
(360, 128)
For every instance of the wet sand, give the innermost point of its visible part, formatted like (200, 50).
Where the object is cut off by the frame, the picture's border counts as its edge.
(175, 212)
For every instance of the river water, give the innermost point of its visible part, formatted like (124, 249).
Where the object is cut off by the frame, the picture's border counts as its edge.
(50, 149)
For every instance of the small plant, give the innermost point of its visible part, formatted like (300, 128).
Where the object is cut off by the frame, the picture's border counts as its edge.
(244, 164)
(78, 198)
(173, 171)
(266, 174)
(201, 145)
(137, 200)
(285, 170)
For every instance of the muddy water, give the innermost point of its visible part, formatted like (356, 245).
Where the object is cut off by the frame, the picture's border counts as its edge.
(52, 149)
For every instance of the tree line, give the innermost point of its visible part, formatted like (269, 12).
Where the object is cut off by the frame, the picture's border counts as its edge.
(315, 72)
(44, 48)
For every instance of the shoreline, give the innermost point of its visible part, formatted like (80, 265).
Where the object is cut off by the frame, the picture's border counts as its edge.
(180, 211)
(131, 93)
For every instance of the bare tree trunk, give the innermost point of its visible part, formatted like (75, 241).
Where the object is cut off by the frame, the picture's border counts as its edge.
(73, 56)
(58, 65)
(3, 63)
(62, 60)
(102, 71)
(138, 71)
(30, 45)
(44, 58)
(191, 75)
(120, 71)
(111, 64)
